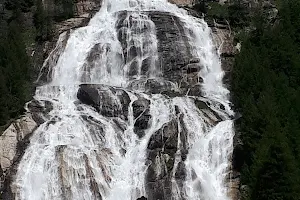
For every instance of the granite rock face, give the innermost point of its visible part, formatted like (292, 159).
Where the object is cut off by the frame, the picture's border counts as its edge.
(163, 151)
(13, 142)
(177, 64)
(45, 55)
(183, 2)
(109, 101)
(141, 115)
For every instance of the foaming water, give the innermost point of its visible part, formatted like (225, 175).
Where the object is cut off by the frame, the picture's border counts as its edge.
(78, 153)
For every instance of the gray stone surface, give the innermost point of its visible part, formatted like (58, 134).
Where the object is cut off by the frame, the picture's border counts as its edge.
(11, 141)
(109, 101)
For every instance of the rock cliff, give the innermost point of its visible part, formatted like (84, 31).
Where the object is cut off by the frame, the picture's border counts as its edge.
(179, 67)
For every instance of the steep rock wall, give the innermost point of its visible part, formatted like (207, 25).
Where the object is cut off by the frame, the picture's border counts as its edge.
(18, 133)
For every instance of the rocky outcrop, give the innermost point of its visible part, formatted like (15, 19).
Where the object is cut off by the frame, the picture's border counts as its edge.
(161, 154)
(175, 60)
(13, 142)
(141, 115)
(224, 40)
(179, 65)
(109, 101)
(142, 198)
(166, 156)
(234, 186)
(114, 102)
(83, 11)
(183, 2)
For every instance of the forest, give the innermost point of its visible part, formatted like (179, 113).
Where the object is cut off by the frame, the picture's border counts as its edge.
(16, 67)
(266, 91)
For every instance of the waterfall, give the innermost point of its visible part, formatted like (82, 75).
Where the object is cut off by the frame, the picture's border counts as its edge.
(135, 106)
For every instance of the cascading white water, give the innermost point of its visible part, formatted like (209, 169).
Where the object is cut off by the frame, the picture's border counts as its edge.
(78, 153)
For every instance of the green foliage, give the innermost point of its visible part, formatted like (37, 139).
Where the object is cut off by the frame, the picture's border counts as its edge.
(14, 73)
(200, 6)
(216, 10)
(42, 22)
(64, 9)
(15, 67)
(23, 5)
(238, 14)
(266, 87)
(28, 36)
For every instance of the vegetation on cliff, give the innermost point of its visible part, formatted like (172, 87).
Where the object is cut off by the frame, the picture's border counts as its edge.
(17, 33)
(266, 88)
(14, 72)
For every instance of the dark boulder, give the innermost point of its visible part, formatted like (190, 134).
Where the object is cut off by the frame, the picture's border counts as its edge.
(142, 198)
(107, 100)
(141, 115)
(162, 148)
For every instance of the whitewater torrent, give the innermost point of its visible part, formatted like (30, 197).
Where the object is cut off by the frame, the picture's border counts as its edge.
(79, 153)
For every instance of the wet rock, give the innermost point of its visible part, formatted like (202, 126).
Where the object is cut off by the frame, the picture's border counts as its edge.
(158, 86)
(39, 110)
(140, 106)
(195, 90)
(173, 48)
(94, 59)
(146, 64)
(224, 39)
(142, 198)
(234, 188)
(166, 137)
(201, 104)
(174, 52)
(13, 142)
(109, 101)
(152, 86)
(133, 67)
(161, 155)
(141, 124)
(194, 60)
(141, 115)
(16, 132)
(45, 72)
(182, 2)
(135, 33)
(84, 10)
(173, 93)
(180, 171)
(192, 68)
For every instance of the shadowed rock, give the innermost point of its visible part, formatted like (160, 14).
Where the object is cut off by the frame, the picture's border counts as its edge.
(141, 115)
(109, 101)
(142, 198)
(175, 60)
(162, 149)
